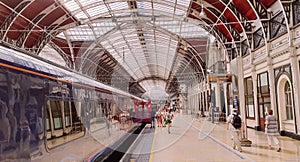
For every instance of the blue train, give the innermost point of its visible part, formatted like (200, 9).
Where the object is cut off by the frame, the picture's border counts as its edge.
(43, 106)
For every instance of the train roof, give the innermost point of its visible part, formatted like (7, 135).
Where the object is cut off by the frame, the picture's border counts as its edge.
(35, 63)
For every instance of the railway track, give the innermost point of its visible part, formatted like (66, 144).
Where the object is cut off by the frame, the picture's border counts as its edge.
(117, 151)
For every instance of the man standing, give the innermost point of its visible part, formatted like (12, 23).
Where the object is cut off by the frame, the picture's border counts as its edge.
(235, 125)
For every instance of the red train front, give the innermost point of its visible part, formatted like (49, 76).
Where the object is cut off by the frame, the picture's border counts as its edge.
(142, 112)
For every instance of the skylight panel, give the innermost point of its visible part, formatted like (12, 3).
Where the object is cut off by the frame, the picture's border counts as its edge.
(145, 13)
(129, 31)
(146, 71)
(72, 5)
(137, 50)
(61, 35)
(179, 12)
(173, 42)
(139, 73)
(130, 35)
(162, 38)
(135, 44)
(115, 38)
(167, 23)
(170, 1)
(81, 15)
(164, 8)
(130, 61)
(183, 3)
(118, 5)
(97, 10)
(79, 37)
(105, 43)
(88, 2)
(114, 53)
(144, 5)
(121, 47)
(152, 62)
(82, 33)
(99, 31)
(161, 61)
(111, 50)
(104, 24)
(132, 39)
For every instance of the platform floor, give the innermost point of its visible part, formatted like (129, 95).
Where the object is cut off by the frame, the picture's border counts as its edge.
(198, 140)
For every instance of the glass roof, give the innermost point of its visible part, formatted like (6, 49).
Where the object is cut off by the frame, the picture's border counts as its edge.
(141, 35)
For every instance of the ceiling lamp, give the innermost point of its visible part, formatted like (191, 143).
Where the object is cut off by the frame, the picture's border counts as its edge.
(202, 13)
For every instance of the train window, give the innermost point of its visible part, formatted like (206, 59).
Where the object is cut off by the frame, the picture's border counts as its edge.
(58, 132)
(67, 113)
(47, 121)
(56, 114)
(140, 111)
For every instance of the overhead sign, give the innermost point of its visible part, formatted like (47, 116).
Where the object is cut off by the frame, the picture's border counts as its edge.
(220, 78)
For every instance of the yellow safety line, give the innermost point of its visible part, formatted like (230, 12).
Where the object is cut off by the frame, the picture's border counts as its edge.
(152, 148)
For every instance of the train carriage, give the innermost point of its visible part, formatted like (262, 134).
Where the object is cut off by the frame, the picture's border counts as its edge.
(46, 106)
(143, 111)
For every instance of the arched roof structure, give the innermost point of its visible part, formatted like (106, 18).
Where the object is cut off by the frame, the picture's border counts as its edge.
(138, 41)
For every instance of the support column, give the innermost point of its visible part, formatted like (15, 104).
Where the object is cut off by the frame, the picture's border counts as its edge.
(240, 77)
(271, 83)
(226, 101)
(296, 86)
(241, 93)
(255, 100)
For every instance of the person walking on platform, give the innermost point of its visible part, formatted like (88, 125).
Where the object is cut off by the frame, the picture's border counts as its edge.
(159, 118)
(271, 130)
(235, 124)
(152, 113)
(168, 120)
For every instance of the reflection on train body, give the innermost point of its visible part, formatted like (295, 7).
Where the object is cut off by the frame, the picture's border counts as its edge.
(44, 104)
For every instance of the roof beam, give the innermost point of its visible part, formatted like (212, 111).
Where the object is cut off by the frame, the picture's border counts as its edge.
(12, 17)
(21, 40)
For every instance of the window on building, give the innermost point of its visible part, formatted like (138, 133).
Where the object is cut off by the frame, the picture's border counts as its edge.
(249, 98)
(264, 100)
(288, 101)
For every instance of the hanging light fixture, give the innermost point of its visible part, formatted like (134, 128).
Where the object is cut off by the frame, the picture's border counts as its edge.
(202, 13)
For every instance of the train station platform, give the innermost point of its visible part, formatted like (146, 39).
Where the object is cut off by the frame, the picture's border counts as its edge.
(194, 140)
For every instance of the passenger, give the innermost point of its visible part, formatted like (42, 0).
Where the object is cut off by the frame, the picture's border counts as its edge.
(168, 120)
(235, 130)
(152, 113)
(159, 119)
(164, 113)
(271, 130)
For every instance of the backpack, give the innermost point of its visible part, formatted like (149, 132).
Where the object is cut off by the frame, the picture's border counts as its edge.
(236, 121)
